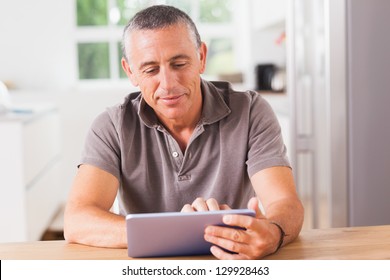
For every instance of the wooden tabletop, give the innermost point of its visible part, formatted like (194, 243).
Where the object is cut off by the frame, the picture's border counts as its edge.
(352, 243)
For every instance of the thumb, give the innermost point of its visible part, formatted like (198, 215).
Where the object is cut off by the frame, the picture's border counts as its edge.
(253, 204)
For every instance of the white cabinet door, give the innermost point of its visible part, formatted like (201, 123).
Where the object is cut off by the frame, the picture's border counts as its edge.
(29, 174)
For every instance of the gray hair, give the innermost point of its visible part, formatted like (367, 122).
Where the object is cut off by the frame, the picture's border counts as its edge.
(156, 17)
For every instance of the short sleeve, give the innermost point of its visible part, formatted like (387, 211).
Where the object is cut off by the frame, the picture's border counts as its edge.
(265, 142)
(101, 148)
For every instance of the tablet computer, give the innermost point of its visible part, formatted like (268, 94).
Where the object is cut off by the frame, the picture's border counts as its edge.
(173, 233)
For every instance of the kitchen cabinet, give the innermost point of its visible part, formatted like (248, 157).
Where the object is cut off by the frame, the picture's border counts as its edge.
(29, 171)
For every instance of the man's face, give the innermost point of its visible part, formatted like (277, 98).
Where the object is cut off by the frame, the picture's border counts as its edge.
(166, 65)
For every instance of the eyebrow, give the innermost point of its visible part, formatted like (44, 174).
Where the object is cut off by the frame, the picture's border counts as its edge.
(176, 57)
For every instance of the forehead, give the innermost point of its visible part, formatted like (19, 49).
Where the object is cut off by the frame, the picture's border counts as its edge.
(145, 44)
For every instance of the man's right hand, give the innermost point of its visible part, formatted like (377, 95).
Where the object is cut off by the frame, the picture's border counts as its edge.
(200, 204)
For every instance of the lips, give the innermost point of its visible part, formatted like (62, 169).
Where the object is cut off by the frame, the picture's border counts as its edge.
(171, 100)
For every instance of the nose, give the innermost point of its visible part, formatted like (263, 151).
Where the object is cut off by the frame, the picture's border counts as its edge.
(167, 79)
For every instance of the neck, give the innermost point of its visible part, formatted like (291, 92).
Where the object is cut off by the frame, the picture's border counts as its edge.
(181, 131)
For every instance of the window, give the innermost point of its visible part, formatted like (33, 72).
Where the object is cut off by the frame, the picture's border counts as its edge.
(100, 24)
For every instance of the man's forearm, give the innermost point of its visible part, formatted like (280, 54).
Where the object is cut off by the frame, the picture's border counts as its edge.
(95, 227)
(288, 214)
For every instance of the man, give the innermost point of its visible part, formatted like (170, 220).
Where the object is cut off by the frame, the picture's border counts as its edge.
(183, 144)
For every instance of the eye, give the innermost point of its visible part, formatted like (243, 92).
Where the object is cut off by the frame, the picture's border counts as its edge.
(179, 65)
(150, 70)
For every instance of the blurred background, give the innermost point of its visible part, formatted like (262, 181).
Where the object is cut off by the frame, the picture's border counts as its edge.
(322, 65)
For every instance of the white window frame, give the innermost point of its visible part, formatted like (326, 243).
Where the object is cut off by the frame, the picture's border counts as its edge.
(238, 29)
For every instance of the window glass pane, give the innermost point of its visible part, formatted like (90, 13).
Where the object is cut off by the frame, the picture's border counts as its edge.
(122, 73)
(91, 12)
(93, 60)
(215, 11)
(128, 8)
(220, 58)
(184, 5)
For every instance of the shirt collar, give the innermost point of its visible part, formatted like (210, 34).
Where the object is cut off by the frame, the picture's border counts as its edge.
(146, 114)
(214, 106)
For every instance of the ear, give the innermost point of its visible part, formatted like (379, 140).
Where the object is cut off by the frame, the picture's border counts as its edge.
(129, 73)
(203, 55)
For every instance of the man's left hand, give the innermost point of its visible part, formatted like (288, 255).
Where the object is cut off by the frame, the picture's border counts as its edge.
(257, 239)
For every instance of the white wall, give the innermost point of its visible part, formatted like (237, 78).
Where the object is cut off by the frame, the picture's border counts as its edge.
(269, 20)
(36, 43)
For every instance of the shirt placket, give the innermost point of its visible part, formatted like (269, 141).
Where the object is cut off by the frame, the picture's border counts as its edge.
(176, 154)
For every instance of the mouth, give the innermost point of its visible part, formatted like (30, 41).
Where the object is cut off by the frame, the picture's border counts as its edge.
(171, 100)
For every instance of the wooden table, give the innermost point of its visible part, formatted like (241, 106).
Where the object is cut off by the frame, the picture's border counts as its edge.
(326, 244)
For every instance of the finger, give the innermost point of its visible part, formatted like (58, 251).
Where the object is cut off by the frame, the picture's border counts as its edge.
(233, 234)
(245, 221)
(253, 204)
(223, 255)
(242, 221)
(227, 244)
(235, 240)
(224, 207)
(199, 204)
(187, 208)
(212, 204)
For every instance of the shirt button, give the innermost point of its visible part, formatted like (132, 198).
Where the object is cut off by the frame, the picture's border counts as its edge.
(175, 154)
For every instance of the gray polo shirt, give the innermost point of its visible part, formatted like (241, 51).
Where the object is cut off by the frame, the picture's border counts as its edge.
(237, 136)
